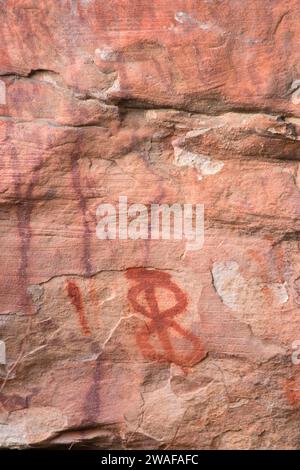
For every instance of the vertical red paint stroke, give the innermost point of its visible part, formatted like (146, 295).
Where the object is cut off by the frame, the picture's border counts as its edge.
(76, 299)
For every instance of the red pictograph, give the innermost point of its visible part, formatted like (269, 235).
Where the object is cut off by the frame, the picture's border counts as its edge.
(143, 297)
(76, 299)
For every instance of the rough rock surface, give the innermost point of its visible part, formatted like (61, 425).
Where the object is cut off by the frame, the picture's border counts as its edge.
(189, 101)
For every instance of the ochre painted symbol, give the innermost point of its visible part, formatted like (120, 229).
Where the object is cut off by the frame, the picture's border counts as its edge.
(161, 321)
(76, 299)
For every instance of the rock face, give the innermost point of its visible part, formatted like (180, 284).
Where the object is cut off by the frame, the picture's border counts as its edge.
(128, 344)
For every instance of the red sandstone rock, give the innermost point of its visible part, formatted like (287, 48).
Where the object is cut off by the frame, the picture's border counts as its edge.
(178, 101)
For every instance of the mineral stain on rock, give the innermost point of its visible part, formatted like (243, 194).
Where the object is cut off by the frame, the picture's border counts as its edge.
(76, 181)
(24, 207)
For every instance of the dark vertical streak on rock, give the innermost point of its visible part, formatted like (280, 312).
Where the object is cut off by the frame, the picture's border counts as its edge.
(82, 204)
(92, 399)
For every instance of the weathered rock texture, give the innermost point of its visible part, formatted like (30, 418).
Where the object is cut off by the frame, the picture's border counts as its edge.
(187, 101)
